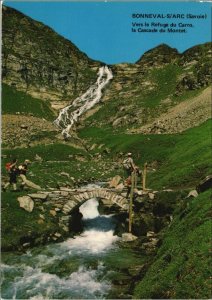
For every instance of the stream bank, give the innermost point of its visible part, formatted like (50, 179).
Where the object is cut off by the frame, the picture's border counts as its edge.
(46, 223)
(128, 266)
(93, 265)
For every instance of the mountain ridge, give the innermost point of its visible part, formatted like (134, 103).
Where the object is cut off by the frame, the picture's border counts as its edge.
(33, 63)
(40, 62)
(45, 65)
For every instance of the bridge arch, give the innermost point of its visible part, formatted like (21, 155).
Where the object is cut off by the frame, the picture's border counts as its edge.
(80, 197)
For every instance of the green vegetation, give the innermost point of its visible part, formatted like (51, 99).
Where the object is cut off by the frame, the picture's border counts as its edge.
(14, 101)
(180, 160)
(18, 225)
(58, 158)
(165, 79)
(181, 269)
(143, 103)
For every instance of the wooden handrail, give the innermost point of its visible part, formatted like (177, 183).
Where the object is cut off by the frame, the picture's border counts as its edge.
(133, 180)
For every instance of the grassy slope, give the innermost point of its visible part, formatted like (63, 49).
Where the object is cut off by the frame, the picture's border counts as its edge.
(15, 101)
(47, 172)
(165, 83)
(17, 223)
(143, 103)
(59, 158)
(181, 269)
(182, 159)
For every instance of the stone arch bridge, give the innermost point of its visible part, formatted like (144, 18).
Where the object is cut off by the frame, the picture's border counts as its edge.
(112, 197)
(68, 200)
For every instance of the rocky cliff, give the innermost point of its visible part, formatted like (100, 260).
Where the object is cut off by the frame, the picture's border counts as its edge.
(42, 63)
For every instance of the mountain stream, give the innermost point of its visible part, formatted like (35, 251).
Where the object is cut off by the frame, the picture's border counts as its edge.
(90, 266)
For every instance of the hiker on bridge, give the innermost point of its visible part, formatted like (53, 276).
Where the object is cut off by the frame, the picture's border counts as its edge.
(12, 170)
(22, 169)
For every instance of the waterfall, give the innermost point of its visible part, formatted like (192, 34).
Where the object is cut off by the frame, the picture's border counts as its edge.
(69, 115)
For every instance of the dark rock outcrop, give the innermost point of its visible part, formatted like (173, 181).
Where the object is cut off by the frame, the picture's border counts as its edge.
(40, 62)
(204, 184)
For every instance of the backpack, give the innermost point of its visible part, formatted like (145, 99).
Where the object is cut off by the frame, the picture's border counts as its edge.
(8, 166)
(126, 164)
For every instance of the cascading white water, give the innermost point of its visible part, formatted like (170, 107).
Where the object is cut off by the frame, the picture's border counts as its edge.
(73, 269)
(69, 115)
(98, 234)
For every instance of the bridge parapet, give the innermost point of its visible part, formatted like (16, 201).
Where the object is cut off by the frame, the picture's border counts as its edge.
(80, 197)
(70, 199)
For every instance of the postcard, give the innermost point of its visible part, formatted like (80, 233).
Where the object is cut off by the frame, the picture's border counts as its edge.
(106, 150)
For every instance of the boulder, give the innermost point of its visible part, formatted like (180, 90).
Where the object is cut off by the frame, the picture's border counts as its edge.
(57, 209)
(39, 196)
(53, 212)
(40, 221)
(26, 203)
(24, 126)
(65, 174)
(128, 237)
(38, 158)
(151, 196)
(115, 181)
(192, 193)
(120, 187)
(42, 217)
(150, 234)
(57, 234)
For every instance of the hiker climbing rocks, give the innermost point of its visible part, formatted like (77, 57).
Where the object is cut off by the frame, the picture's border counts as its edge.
(13, 173)
(22, 169)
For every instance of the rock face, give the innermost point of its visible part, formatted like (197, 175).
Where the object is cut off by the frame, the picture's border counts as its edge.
(163, 54)
(152, 215)
(40, 62)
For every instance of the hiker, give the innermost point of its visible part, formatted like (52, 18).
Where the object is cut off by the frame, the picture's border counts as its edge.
(129, 167)
(22, 169)
(12, 172)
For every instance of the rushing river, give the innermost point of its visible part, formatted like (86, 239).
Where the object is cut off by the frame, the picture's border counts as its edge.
(84, 267)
